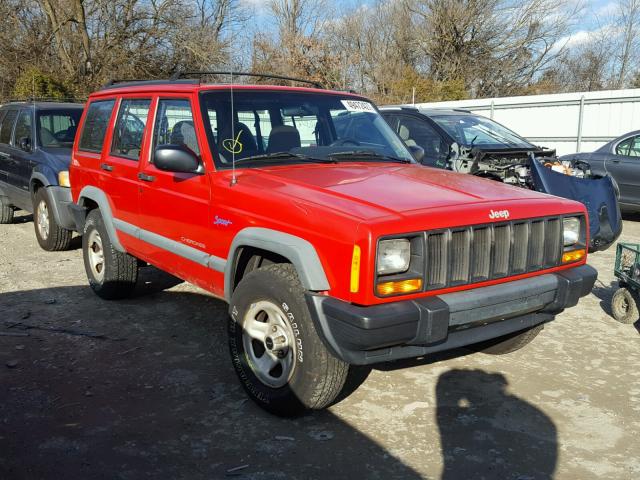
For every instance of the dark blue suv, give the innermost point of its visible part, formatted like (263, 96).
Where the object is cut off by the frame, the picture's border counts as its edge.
(35, 151)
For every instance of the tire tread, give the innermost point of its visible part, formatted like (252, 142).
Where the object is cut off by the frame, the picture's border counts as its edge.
(6, 213)
(331, 383)
(59, 238)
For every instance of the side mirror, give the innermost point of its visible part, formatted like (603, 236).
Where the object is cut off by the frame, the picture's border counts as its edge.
(417, 152)
(176, 158)
(25, 144)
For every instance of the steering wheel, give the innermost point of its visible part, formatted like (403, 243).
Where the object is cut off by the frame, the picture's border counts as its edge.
(345, 141)
(61, 136)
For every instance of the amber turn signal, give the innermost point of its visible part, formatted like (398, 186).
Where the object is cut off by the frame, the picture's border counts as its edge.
(355, 270)
(403, 286)
(573, 256)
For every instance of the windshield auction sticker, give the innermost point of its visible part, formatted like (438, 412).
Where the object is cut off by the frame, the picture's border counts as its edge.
(358, 106)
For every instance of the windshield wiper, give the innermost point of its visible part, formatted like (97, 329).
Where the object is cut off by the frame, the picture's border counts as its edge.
(283, 156)
(368, 155)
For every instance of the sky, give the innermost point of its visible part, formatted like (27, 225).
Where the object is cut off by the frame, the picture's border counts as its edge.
(594, 15)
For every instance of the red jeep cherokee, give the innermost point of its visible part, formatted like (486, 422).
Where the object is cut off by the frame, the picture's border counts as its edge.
(302, 209)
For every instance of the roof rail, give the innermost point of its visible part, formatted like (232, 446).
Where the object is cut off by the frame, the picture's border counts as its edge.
(117, 83)
(179, 75)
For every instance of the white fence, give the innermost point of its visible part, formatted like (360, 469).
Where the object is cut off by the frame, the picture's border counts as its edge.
(568, 122)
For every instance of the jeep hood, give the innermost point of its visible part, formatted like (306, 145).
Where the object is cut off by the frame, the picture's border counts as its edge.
(370, 190)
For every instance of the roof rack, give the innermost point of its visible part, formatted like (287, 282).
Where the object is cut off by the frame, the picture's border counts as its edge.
(179, 75)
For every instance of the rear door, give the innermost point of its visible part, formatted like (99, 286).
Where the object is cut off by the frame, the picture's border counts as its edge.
(23, 136)
(109, 146)
(3, 173)
(7, 122)
(7, 160)
(624, 166)
(121, 165)
(174, 207)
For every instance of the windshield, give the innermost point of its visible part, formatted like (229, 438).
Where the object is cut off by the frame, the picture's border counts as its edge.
(475, 131)
(57, 128)
(282, 127)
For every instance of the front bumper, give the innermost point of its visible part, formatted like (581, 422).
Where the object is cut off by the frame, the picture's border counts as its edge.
(60, 201)
(412, 328)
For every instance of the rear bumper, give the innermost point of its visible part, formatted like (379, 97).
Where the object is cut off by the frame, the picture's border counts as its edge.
(411, 328)
(60, 201)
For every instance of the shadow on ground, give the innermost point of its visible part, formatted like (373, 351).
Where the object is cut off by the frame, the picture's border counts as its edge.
(605, 293)
(486, 432)
(143, 388)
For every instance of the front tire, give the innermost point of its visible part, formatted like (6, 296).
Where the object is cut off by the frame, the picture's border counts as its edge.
(50, 235)
(624, 306)
(6, 212)
(279, 358)
(508, 343)
(112, 274)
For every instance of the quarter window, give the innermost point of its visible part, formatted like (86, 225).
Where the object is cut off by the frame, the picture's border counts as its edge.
(132, 119)
(7, 126)
(95, 125)
(174, 125)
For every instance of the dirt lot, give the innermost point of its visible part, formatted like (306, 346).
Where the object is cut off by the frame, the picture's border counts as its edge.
(144, 388)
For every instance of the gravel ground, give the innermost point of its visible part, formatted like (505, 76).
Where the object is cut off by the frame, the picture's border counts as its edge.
(144, 388)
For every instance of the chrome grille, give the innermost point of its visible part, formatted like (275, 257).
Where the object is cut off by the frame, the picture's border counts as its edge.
(473, 254)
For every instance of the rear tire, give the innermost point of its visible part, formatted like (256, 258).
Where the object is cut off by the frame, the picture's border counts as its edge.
(508, 343)
(112, 274)
(279, 358)
(6, 212)
(50, 235)
(624, 306)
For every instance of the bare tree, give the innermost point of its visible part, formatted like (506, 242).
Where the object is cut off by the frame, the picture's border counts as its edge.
(628, 19)
(496, 46)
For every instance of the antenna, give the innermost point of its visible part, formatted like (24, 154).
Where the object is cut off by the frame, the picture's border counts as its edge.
(234, 180)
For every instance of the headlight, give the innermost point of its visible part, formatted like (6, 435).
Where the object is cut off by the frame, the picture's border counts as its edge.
(571, 231)
(393, 256)
(63, 178)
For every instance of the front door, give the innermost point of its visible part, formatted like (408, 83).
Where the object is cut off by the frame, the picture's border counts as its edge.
(175, 207)
(624, 166)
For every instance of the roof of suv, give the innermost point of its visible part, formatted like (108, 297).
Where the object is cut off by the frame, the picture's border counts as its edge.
(41, 105)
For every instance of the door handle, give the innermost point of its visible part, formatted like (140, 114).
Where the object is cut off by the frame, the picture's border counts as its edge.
(146, 178)
(615, 161)
(107, 167)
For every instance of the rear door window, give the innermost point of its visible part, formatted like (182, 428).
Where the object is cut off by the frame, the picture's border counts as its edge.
(129, 131)
(23, 128)
(629, 147)
(6, 127)
(95, 125)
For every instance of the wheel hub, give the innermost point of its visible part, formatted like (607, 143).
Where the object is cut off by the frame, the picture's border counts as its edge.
(42, 220)
(96, 255)
(267, 338)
